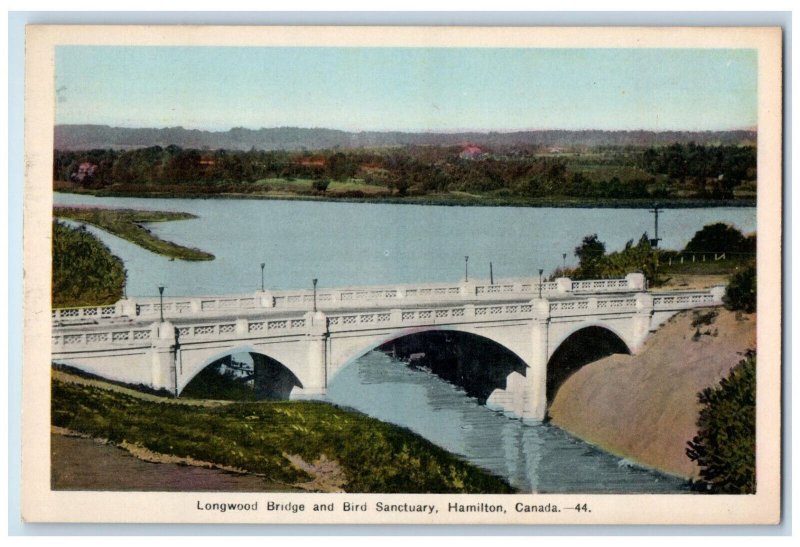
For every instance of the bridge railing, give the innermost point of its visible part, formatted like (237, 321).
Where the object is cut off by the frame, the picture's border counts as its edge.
(601, 285)
(92, 312)
(379, 296)
(71, 338)
(588, 306)
(424, 316)
(106, 337)
(687, 299)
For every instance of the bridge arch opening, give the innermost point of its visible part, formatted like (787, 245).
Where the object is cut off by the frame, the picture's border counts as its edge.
(243, 376)
(580, 348)
(474, 363)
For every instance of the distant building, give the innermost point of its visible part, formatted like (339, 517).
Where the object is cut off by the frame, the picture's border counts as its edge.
(471, 152)
(313, 162)
(85, 172)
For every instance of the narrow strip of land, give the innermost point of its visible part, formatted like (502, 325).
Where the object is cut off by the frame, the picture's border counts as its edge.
(129, 225)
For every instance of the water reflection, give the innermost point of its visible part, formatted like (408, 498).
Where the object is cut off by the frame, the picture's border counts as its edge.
(538, 458)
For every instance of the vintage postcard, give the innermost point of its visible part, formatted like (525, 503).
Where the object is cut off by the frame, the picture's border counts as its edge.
(402, 275)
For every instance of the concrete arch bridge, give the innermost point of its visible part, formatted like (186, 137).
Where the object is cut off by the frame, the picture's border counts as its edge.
(314, 335)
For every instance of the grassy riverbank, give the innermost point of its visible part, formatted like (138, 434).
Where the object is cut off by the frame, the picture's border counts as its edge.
(346, 192)
(644, 407)
(128, 224)
(307, 445)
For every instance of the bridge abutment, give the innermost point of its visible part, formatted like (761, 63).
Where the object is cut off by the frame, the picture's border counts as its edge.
(642, 321)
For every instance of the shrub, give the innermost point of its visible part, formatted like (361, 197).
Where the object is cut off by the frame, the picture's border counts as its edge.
(320, 185)
(700, 318)
(725, 444)
(741, 291)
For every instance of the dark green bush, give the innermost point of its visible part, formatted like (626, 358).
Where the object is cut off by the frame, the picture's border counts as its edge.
(320, 185)
(718, 238)
(725, 444)
(741, 291)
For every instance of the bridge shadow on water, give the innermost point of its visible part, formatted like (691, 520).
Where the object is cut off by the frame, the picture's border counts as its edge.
(243, 377)
(476, 364)
(479, 366)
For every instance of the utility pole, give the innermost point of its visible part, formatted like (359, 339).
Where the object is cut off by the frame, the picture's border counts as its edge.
(654, 242)
(655, 210)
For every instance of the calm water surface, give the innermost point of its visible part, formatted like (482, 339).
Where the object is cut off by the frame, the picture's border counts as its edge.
(535, 458)
(368, 244)
(345, 244)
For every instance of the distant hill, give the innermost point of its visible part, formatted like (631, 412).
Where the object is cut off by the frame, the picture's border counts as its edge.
(83, 137)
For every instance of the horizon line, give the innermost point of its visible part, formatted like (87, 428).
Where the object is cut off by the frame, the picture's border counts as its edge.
(433, 131)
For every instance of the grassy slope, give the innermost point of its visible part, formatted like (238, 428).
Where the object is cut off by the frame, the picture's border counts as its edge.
(644, 407)
(261, 437)
(127, 224)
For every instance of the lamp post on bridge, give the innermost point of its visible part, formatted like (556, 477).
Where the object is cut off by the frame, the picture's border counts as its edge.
(262, 275)
(314, 281)
(161, 301)
(564, 262)
(466, 269)
(541, 271)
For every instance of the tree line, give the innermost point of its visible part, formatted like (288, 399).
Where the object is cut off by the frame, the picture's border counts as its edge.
(678, 170)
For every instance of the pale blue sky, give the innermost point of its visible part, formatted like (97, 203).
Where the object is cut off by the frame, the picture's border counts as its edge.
(407, 89)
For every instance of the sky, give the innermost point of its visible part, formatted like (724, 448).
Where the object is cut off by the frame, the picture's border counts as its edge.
(407, 89)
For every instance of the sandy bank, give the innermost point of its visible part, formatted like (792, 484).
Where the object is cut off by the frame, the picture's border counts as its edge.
(644, 407)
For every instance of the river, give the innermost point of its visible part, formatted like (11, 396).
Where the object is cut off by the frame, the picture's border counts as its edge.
(369, 244)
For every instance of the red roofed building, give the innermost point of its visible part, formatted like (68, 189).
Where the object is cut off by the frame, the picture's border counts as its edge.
(471, 152)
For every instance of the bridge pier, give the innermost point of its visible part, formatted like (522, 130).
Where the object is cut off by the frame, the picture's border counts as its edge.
(526, 396)
(164, 357)
(316, 378)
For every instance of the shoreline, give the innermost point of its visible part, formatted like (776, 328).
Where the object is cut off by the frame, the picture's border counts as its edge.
(130, 225)
(438, 201)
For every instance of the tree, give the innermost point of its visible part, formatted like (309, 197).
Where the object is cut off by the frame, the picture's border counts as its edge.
(633, 258)
(725, 444)
(740, 294)
(717, 238)
(590, 254)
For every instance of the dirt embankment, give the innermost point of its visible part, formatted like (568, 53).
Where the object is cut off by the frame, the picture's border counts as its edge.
(644, 407)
